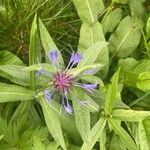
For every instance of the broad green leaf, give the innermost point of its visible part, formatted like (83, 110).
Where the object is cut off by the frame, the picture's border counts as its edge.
(130, 115)
(53, 123)
(126, 139)
(33, 52)
(88, 10)
(131, 69)
(126, 38)
(111, 95)
(143, 82)
(10, 93)
(48, 42)
(94, 51)
(82, 115)
(116, 143)
(90, 35)
(78, 70)
(7, 57)
(110, 24)
(94, 134)
(15, 73)
(144, 134)
(138, 10)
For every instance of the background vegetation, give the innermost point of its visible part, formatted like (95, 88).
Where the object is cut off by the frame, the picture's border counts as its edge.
(120, 119)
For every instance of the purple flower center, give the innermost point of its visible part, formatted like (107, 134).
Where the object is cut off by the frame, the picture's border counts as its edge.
(62, 81)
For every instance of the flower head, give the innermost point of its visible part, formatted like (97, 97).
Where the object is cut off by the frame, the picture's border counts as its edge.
(62, 80)
(53, 56)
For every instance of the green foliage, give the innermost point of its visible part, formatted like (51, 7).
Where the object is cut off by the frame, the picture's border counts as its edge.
(9, 58)
(111, 95)
(121, 43)
(10, 93)
(115, 115)
(53, 123)
(88, 10)
(110, 24)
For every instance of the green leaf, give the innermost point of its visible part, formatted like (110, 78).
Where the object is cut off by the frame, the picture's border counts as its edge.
(33, 52)
(48, 42)
(126, 38)
(110, 24)
(83, 98)
(111, 95)
(143, 82)
(1, 136)
(10, 93)
(138, 10)
(130, 115)
(92, 79)
(144, 134)
(53, 123)
(94, 134)
(15, 73)
(88, 10)
(78, 70)
(82, 118)
(116, 143)
(131, 69)
(126, 139)
(121, 1)
(82, 115)
(148, 27)
(39, 145)
(90, 35)
(102, 140)
(94, 51)
(38, 67)
(9, 58)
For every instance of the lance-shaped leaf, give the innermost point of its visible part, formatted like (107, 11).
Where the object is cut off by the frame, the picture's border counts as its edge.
(126, 139)
(88, 10)
(82, 114)
(53, 123)
(10, 93)
(94, 52)
(144, 134)
(33, 51)
(48, 42)
(110, 24)
(94, 134)
(130, 115)
(9, 58)
(78, 70)
(15, 73)
(111, 95)
(90, 35)
(126, 38)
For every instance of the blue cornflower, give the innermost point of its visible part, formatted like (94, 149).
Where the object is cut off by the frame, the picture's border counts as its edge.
(62, 80)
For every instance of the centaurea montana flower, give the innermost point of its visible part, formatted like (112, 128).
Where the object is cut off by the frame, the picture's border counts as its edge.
(62, 80)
